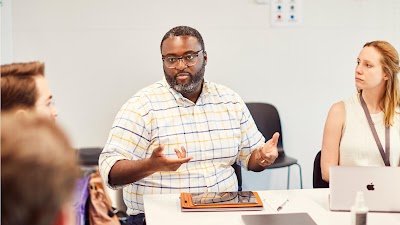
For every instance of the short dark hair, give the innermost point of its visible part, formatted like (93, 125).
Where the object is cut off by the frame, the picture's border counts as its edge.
(183, 31)
(18, 86)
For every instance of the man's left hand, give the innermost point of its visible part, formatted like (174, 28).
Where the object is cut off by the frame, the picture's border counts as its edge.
(269, 152)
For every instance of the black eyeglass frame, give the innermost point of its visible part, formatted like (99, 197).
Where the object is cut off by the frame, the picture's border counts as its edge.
(180, 58)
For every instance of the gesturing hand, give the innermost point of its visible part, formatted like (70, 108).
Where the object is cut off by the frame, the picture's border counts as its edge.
(163, 163)
(269, 152)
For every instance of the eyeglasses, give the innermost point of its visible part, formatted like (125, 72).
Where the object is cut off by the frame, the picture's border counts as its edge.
(189, 60)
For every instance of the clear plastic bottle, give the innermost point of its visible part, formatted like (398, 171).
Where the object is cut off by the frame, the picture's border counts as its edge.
(359, 210)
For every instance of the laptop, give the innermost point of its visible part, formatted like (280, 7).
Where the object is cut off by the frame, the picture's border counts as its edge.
(278, 219)
(381, 187)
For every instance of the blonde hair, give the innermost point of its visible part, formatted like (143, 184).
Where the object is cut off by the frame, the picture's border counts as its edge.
(390, 66)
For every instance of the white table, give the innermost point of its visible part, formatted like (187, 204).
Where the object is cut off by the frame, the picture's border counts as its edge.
(165, 209)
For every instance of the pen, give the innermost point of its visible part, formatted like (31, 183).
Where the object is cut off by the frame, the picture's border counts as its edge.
(281, 206)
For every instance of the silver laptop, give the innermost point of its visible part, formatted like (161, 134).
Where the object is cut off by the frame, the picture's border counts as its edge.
(278, 219)
(381, 187)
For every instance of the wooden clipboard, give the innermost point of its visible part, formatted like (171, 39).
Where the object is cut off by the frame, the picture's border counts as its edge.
(188, 205)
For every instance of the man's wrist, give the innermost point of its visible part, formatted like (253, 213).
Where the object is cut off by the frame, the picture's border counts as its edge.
(261, 148)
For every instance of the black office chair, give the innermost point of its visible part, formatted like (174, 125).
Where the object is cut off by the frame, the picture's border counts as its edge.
(268, 122)
(318, 182)
(238, 171)
(89, 156)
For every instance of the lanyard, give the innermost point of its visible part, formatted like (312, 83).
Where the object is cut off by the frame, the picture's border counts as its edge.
(385, 154)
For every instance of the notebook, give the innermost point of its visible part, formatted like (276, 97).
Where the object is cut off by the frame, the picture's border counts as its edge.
(381, 187)
(278, 219)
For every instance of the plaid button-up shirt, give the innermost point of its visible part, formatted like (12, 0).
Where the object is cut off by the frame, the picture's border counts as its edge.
(216, 131)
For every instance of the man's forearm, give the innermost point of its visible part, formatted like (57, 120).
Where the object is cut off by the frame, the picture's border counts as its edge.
(129, 171)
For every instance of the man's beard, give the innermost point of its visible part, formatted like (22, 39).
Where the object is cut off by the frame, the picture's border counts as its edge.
(195, 81)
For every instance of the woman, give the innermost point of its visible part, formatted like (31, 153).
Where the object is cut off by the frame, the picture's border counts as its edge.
(364, 130)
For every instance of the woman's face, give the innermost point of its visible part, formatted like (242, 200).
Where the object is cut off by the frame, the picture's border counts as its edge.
(369, 73)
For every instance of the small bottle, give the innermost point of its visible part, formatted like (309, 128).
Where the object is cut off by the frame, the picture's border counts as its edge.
(359, 210)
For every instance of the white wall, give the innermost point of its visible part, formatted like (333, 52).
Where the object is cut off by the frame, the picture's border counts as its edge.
(6, 32)
(98, 53)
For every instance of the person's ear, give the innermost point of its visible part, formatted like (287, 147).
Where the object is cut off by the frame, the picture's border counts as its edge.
(385, 76)
(21, 113)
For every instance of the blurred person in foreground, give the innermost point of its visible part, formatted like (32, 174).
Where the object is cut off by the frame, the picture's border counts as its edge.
(39, 170)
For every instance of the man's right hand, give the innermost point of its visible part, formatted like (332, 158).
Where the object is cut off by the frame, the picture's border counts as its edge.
(129, 171)
(163, 163)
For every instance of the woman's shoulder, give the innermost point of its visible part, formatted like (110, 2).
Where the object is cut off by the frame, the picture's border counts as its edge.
(338, 108)
(336, 118)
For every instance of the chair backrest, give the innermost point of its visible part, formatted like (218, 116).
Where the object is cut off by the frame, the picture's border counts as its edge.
(268, 122)
(318, 182)
(89, 156)
(238, 171)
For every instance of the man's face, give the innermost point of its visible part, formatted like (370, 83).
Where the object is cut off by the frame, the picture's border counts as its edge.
(182, 77)
(44, 104)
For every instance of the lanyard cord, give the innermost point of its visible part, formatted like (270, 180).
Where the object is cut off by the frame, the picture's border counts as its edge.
(385, 154)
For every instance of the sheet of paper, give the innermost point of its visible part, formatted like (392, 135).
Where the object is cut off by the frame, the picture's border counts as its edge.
(275, 201)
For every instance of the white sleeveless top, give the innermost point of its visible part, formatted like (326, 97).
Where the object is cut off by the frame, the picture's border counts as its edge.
(358, 146)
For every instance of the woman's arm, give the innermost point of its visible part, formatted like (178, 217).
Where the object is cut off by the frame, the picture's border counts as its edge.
(331, 140)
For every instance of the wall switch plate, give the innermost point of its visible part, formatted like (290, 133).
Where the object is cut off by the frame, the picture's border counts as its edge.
(286, 12)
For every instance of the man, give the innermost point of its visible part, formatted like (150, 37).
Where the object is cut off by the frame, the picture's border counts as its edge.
(182, 134)
(24, 89)
(38, 172)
